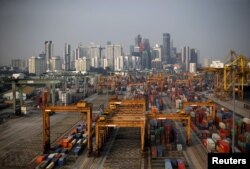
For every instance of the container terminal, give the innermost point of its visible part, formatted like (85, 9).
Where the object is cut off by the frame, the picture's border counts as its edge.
(125, 120)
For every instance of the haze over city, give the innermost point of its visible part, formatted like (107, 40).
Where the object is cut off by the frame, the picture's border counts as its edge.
(213, 27)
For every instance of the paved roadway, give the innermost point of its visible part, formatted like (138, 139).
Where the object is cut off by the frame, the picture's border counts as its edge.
(239, 106)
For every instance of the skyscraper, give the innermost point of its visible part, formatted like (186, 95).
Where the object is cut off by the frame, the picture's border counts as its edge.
(83, 64)
(119, 63)
(185, 57)
(157, 52)
(166, 48)
(138, 40)
(207, 62)
(194, 56)
(131, 49)
(173, 55)
(18, 63)
(49, 52)
(36, 65)
(55, 63)
(112, 52)
(94, 55)
(67, 57)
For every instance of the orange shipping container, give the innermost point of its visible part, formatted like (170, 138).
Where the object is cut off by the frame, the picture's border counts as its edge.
(39, 159)
(223, 146)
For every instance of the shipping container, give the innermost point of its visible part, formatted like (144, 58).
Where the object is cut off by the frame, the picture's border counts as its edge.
(160, 151)
(154, 151)
(210, 145)
(223, 146)
(216, 137)
(168, 164)
(51, 165)
(61, 161)
(181, 164)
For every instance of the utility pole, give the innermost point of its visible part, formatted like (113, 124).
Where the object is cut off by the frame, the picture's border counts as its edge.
(233, 132)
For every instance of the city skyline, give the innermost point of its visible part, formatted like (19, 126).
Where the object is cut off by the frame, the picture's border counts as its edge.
(212, 27)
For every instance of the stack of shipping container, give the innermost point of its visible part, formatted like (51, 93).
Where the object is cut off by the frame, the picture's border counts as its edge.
(72, 144)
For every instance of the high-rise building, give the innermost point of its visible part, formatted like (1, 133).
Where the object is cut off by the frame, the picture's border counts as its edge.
(192, 67)
(49, 52)
(185, 57)
(18, 63)
(112, 52)
(131, 49)
(105, 63)
(157, 52)
(146, 54)
(95, 56)
(55, 63)
(37, 65)
(42, 55)
(166, 48)
(80, 52)
(83, 64)
(178, 58)
(126, 63)
(136, 63)
(67, 57)
(194, 56)
(119, 63)
(156, 64)
(207, 62)
(146, 61)
(138, 40)
(173, 55)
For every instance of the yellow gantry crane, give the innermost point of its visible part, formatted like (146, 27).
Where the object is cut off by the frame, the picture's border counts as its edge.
(131, 113)
(236, 75)
(199, 104)
(81, 107)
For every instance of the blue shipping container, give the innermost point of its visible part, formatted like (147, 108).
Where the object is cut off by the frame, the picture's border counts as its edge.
(168, 164)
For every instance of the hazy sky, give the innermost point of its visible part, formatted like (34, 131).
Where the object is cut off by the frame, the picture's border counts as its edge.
(212, 26)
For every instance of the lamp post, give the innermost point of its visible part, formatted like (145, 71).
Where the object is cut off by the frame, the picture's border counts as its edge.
(233, 136)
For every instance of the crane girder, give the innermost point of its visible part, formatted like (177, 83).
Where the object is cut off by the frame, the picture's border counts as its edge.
(81, 107)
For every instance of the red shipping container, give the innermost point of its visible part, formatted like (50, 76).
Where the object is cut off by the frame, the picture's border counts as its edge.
(247, 127)
(181, 165)
(223, 146)
(224, 132)
(154, 151)
(204, 134)
(242, 138)
(167, 128)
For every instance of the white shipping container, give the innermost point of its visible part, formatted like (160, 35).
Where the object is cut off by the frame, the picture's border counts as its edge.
(178, 103)
(52, 155)
(84, 141)
(24, 109)
(51, 165)
(85, 135)
(246, 120)
(216, 137)
(79, 141)
(192, 114)
(210, 145)
(73, 142)
(179, 147)
(222, 125)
